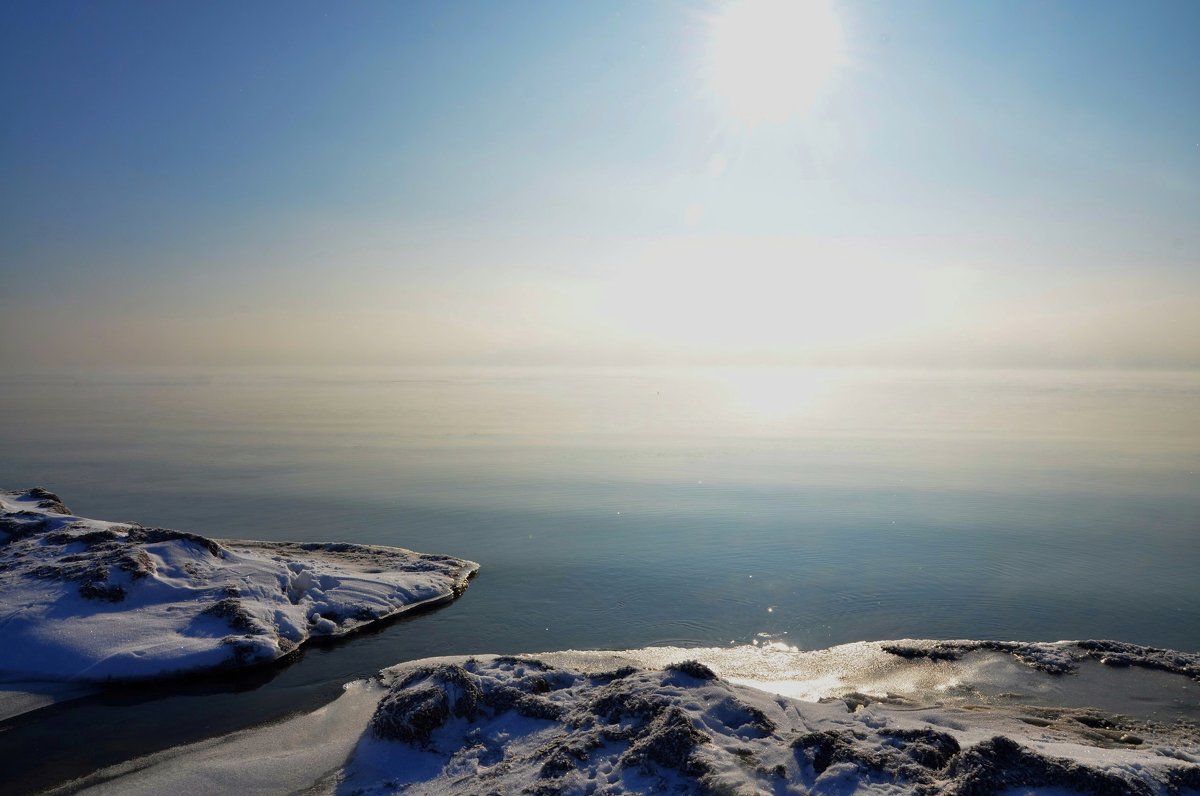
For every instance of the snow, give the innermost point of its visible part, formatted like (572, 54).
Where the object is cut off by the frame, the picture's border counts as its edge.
(697, 721)
(90, 600)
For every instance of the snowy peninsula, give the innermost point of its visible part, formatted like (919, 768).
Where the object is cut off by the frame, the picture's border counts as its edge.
(90, 600)
(871, 717)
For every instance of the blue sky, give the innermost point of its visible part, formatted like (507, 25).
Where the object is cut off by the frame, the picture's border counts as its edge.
(973, 184)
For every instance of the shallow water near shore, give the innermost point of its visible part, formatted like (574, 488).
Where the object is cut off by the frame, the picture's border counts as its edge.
(614, 509)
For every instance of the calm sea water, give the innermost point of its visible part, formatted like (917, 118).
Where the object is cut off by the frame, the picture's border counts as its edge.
(621, 509)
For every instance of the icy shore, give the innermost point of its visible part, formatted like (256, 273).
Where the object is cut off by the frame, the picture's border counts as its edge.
(90, 600)
(715, 721)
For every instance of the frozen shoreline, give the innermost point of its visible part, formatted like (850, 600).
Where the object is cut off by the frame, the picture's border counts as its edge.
(88, 600)
(710, 720)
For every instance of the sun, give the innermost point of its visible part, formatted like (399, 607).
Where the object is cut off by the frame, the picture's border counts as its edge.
(769, 59)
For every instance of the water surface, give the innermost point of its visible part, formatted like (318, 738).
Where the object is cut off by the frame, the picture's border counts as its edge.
(614, 509)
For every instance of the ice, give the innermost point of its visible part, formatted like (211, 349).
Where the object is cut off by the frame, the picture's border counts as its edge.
(90, 600)
(692, 721)
(22, 697)
(288, 757)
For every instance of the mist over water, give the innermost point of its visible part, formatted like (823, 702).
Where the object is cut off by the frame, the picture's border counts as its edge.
(625, 508)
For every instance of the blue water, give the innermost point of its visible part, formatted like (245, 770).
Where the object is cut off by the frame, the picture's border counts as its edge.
(626, 508)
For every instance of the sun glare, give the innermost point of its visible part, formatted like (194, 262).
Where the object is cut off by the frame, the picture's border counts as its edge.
(779, 296)
(769, 59)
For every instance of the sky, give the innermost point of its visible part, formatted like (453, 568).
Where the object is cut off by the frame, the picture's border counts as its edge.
(651, 182)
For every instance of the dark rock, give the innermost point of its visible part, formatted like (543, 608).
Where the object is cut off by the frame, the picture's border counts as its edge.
(1095, 722)
(537, 685)
(826, 747)
(540, 790)
(925, 747)
(1183, 778)
(565, 754)
(693, 669)
(502, 698)
(747, 717)
(17, 525)
(48, 501)
(669, 741)
(561, 762)
(429, 695)
(616, 674)
(1001, 764)
(1032, 655)
(912, 756)
(462, 688)
(411, 715)
(231, 610)
(137, 563)
(98, 590)
(89, 538)
(929, 653)
(245, 650)
(617, 702)
(532, 663)
(1120, 653)
(365, 613)
(154, 535)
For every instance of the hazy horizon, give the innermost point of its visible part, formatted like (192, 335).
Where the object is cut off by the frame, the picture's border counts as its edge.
(708, 182)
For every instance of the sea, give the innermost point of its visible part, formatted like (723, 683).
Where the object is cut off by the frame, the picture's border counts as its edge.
(623, 508)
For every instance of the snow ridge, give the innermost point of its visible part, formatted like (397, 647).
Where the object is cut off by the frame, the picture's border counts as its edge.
(521, 725)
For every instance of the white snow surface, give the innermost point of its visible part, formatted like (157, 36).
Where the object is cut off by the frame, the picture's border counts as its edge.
(90, 600)
(697, 721)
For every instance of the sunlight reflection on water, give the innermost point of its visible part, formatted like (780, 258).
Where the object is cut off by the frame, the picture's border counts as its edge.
(618, 510)
(621, 508)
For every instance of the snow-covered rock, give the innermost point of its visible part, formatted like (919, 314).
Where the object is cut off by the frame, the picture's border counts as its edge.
(84, 599)
(1060, 657)
(671, 720)
(526, 725)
